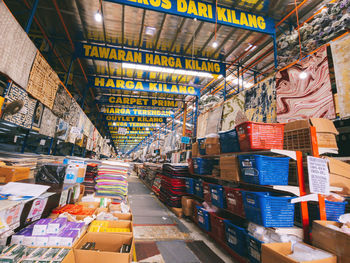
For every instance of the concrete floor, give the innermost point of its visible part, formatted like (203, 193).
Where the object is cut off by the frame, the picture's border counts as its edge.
(146, 208)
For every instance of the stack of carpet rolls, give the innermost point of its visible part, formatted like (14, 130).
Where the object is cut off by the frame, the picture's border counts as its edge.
(111, 179)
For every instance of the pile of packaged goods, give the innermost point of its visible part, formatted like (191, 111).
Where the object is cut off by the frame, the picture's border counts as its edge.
(89, 181)
(49, 232)
(272, 216)
(24, 254)
(111, 179)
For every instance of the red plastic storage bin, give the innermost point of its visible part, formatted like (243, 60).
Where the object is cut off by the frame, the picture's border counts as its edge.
(206, 192)
(254, 136)
(217, 227)
(234, 201)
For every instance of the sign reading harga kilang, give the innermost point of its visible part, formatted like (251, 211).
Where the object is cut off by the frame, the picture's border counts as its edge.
(207, 12)
(135, 119)
(116, 83)
(134, 124)
(132, 101)
(115, 54)
(137, 112)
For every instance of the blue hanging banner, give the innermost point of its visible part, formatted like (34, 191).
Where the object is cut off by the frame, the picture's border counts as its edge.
(207, 12)
(132, 101)
(135, 119)
(121, 111)
(116, 54)
(133, 85)
(133, 129)
(185, 139)
(134, 124)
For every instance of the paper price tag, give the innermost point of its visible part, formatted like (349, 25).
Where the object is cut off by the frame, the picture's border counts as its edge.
(318, 175)
(42, 142)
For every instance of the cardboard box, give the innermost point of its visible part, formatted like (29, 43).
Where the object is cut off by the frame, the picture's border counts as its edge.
(195, 149)
(121, 216)
(278, 252)
(212, 148)
(111, 224)
(325, 130)
(229, 168)
(187, 205)
(339, 175)
(13, 173)
(108, 246)
(330, 240)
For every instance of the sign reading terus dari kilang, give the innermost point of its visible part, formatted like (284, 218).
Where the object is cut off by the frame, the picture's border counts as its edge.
(145, 133)
(131, 101)
(115, 54)
(116, 83)
(207, 12)
(133, 129)
(137, 112)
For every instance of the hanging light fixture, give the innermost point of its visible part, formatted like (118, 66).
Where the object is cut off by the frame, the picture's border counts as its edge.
(303, 75)
(98, 16)
(215, 44)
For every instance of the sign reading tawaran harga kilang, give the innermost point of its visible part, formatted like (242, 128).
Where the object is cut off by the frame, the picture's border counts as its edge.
(115, 54)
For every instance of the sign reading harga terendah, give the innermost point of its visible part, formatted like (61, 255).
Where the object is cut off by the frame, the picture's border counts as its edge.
(116, 54)
(137, 112)
(207, 12)
(132, 101)
(135, 119)
(116, 83)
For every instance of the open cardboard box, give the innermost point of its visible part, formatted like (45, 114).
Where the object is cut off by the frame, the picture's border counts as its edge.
(339, 174)
(118, 224)
(325, 130)
(107, 248)
(278, 253)
(330, 240)
(119, 215)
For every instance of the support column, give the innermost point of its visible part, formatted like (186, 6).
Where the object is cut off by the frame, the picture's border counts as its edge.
(195, 118)
(184, 119)
(31, 17)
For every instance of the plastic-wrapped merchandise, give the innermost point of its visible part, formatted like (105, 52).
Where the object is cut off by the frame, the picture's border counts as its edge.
(302, 252)
(51, 173)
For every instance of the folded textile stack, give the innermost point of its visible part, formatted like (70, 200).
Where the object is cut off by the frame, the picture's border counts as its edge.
(111, 179)
(172, 189)
(175, 169)
(89, 181)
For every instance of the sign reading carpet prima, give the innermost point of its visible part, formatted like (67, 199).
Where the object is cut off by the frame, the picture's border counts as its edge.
(43, 82)
(24, 117)
(17, 51)
(309, 97)
(341, 59)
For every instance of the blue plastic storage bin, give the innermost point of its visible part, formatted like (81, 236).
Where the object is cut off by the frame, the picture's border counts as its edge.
(190, 185)
(198, 188)
(236, 238)
(203, 217)
(203, 166)
(217, 195)
(269, 211)
(334, 210)
(229, 141)
(264, 170)
(201, 146)
(254, 249)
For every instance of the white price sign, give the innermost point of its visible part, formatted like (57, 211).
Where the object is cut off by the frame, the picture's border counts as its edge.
(42, 142)
(318, 175)
(75, 130)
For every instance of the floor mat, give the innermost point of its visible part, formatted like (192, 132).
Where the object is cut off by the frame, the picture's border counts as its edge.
(153, 220)
(176, 252)
(148, 252)
(158, 233)
(203, 252)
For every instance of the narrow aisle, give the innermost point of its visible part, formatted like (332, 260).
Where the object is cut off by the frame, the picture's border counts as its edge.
(163, 238)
